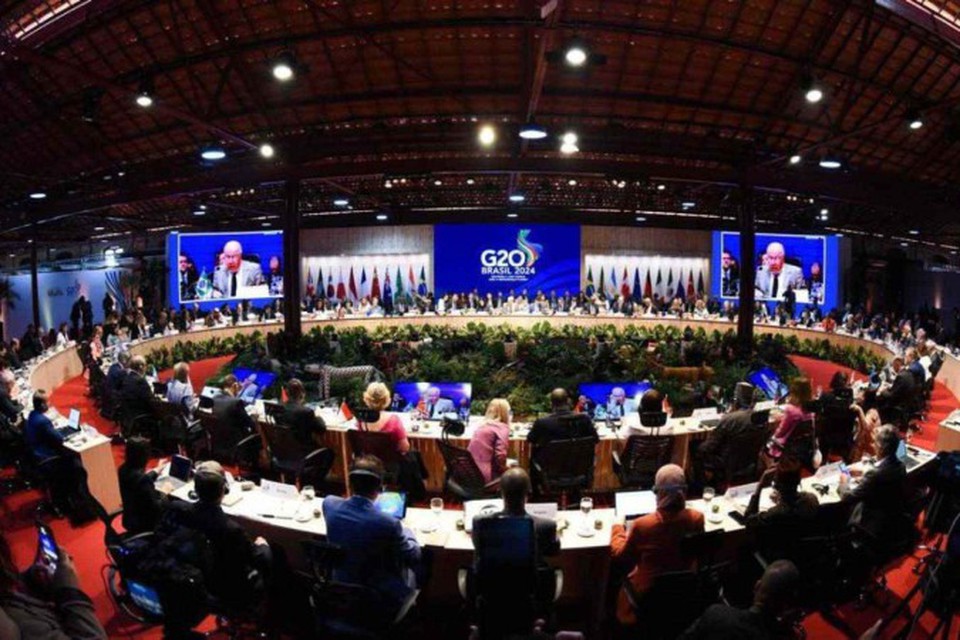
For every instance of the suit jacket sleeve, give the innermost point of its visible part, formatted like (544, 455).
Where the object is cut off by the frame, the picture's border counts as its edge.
(407, 547)
(621, 542)
(547, 540)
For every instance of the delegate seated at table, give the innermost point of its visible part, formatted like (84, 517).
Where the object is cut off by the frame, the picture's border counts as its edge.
(380, 553)
(652, 542)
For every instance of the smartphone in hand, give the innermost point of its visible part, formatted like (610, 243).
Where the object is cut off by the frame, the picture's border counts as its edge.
(47, 552)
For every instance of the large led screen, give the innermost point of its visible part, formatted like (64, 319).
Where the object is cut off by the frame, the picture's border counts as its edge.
(806, 264)
(223, 267)
(500, 258)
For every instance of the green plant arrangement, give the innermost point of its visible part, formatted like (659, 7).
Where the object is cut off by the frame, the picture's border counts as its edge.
(545, 357)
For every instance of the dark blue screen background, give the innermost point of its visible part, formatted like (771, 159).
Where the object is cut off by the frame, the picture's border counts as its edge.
(458, 249)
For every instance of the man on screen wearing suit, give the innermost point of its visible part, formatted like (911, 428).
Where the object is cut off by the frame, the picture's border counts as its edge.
(618, 405)
(234, 272)
(776, 274)
(436, 406)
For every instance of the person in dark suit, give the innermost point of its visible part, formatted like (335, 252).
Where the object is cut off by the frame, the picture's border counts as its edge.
(380, 552)
(515, 488)
(733, 430)
(142, 503)
(773, 595)
(241, 569)
(880, 496)
(229, 409)
(136, 394)
(306, 425)
(900, 398)
(66, 475)
(562, 424)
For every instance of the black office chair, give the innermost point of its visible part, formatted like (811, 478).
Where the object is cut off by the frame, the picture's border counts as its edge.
(742, 464)
(835, 428)
(464, 478)
(344, 610)
(380, 445)
(123, 553)
(564, 466)
(636, 464)
(506, 587)
(226, 445)
(290, 457)
(671, 604)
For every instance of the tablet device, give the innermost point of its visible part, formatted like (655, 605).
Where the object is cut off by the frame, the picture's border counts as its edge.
(393, 504)
(180, 468)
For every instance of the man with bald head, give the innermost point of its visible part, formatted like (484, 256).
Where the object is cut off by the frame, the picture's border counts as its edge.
(515, 489)
(234, 272)
(776, 273)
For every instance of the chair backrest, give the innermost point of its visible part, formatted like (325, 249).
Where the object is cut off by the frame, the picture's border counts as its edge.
(671, 605)
(223, 438)
(316, 467)
(740, 463)
(565, 464)
(505, 574)
(641, 457)
(801, 445)
(836, 426)
(461, 466)
(273, 410)
(285, 447)
(374, 443)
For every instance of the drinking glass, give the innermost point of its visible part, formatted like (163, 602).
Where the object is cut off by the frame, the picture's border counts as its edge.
(308, 492)
(586, 506)
(708, 494)
(436, 506)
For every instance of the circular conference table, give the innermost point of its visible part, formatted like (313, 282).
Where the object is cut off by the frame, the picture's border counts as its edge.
(54, 370)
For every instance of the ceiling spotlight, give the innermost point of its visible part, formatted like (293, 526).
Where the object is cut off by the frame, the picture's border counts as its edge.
(388, 184)
(569, 138)
(381, 217)
(824, 212)
(99, 228)
(531, 131)
(568, 149)
(621, 184)
(341, 202)
(38, 195)
(575, 56)
(438, 182)
(512, 215)
(470, 180)
(213, 153)
(516, 197)
(641, 219)
(284, 66)
(266, 150)
(812, 91)
(144, 100)
(828, 161)
(904, 244)
(572, 182)
(487, 135)
(688, 204)
(795, 158)
(914, 119)
(199, 212)
(914, 232)
(264, 224)
(661, 187)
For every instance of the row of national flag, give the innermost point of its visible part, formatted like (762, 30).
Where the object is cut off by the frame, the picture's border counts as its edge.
(607, 284)
(357, 286)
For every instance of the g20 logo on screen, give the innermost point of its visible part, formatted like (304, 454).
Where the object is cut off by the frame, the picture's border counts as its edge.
(512, 262)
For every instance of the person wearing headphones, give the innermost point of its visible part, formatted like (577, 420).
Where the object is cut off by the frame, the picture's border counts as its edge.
(380, 553)
(240, 568)
(652, 543)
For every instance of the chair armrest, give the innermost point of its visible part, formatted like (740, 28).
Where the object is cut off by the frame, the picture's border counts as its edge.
(763, 562)
(146, 535)
(314, 454)
(406, 606)
(558, 584)
(493, 484)
(617, 465)
(46, 462)
(463, 576)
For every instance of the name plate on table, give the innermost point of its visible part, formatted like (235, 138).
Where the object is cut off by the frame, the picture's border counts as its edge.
(766, 405)
(279, 490)
(828, 472)
(740, 496)
(708, 413)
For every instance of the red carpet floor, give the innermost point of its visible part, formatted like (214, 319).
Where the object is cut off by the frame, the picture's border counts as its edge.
(86, 543)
